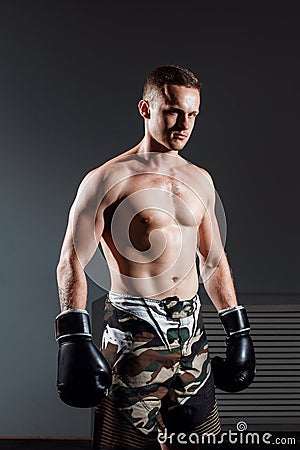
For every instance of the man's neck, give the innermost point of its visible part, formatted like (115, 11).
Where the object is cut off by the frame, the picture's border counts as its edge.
(147, 146)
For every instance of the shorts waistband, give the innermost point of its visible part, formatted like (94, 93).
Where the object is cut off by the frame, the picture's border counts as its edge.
(172, 306)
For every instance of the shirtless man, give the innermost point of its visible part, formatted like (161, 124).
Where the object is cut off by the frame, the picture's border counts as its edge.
(152, 211)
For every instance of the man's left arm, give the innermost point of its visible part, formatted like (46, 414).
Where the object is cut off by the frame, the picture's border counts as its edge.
(214, 267)
(236, 372)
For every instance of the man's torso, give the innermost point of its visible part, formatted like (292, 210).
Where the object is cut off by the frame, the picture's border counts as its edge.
(151, 224)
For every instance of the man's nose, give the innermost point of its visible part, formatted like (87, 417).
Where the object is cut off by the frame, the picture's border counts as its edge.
(184, 122)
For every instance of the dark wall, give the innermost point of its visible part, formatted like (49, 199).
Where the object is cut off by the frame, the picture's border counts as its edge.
(71, 74)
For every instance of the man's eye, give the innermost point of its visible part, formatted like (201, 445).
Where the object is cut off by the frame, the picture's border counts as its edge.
(172, 112)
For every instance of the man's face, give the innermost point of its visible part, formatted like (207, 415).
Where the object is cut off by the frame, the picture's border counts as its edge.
(172, 116)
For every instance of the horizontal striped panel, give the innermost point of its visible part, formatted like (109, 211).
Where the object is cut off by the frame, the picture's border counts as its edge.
(274, 396)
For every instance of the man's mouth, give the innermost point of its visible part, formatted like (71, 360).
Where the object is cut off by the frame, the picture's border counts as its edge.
(180, 136)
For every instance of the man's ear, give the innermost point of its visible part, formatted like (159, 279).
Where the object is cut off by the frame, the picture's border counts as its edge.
(144, 109)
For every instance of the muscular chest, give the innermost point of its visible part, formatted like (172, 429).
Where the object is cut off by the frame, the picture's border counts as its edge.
(159, 201)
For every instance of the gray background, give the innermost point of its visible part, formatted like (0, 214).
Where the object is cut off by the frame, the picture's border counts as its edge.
(71, 74)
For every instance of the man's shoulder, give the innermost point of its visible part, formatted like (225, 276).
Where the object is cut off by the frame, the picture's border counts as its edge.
(108, 168)
(206, 174)
(199, 171)
(105, 177)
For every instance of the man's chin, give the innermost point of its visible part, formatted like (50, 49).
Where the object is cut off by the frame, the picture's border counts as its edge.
(174, 145)
(177, 146)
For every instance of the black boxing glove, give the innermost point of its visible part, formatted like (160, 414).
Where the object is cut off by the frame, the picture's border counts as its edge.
(236, 372)
(83, 374)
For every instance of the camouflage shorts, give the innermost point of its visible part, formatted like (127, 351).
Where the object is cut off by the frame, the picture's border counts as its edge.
(158, 352)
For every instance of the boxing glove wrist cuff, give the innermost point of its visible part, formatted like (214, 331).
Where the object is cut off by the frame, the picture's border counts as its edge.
(234, 320)
(73, 322)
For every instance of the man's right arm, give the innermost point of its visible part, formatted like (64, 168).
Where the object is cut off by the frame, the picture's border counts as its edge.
(83, 373)
(83, 233)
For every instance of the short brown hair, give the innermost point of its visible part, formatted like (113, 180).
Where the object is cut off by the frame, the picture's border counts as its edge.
(170, 74)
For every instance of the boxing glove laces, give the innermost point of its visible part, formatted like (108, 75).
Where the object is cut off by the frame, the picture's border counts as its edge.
(83, 374)
(236, 372)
